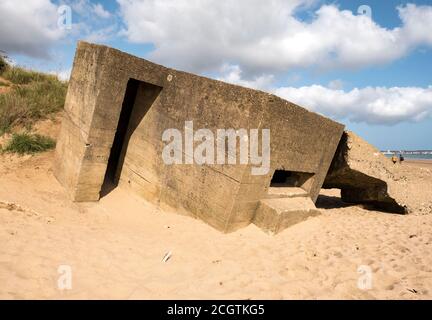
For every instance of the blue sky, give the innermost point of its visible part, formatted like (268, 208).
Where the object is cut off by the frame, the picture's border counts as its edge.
(372, 73)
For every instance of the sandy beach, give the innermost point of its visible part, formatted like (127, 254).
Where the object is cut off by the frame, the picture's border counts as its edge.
(426, 164)
(115, 248)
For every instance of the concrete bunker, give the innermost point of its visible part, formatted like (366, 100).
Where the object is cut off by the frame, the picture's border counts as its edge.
(117, 108)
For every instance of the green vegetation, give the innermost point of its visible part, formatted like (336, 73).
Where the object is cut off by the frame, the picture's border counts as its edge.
(25, 104)
(25, 143)
(19, 75)
(33, 96)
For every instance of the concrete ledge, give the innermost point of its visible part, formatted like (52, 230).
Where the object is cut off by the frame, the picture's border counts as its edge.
(275, 215)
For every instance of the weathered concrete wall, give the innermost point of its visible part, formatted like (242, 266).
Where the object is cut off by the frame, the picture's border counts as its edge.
(225, 196)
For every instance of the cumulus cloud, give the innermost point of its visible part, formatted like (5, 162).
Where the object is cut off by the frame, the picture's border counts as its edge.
(268, 35)
(251, 42)
(29, 27)
(373, 105)
(376, 105)
(246, 42)
(32, 28)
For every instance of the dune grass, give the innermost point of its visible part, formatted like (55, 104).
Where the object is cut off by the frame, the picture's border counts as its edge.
(18, 75)
(34, 96)
(25, 104)
(26, 143)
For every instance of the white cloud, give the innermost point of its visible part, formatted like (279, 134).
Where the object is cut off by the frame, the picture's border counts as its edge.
(28, 27)
(371, 104)
(32, 28)
(266, 36)
(100, 11)
(247, 42)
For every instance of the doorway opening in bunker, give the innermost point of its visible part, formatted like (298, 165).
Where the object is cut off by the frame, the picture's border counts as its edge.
(138, 99)
(291, 179)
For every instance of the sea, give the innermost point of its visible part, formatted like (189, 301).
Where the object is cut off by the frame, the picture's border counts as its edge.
(415, 155)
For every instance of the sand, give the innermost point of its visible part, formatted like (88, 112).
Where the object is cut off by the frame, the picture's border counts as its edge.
(426, 164)
(115, 247)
